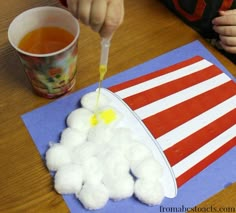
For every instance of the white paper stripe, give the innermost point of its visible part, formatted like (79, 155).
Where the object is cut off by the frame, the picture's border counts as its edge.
(164, 79)
(204, 151)
(181, 96)
(179, 133)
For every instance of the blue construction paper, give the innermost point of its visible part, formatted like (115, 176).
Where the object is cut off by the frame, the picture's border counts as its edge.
(46, 123)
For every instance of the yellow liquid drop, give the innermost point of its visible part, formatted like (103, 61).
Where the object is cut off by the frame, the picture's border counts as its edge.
(102, 71)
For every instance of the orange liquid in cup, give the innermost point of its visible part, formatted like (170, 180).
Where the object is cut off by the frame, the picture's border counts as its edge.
(45, 40)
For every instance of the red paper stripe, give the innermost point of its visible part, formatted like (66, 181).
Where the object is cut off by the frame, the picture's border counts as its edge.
(205, 162)
(146, 97)
(171, 118)
(195, 141)
(154, 74)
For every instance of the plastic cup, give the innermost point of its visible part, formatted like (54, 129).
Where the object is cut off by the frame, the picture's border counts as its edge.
(54, 74)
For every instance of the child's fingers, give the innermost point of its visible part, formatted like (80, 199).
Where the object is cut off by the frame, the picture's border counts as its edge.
(98, 14)
(84, 7)
(226, 20)
(228, 12)
(114, 18)
(72, 7)
(228, 40)
(225, 26)
(225, 30)
(228, 48)
(103, 16)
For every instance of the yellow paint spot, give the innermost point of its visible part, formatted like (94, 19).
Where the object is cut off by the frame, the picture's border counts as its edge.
(107, 116)
(93, 120)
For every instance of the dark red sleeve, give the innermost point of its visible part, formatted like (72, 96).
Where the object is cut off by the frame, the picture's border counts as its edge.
(63, 2)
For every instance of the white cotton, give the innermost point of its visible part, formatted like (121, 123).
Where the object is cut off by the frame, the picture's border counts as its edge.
(122, 139)
(103, 150)
(137, 152)
(149, 168)
(93, 196)
(115, 164)
(56, 156)
(68, 179)
(72, 137)
(80, 119)
(84, 151)
(100, 133)
(92, 170)
(119, 188)
(122, 134)
(89, 101)
(116, 177)
(149, 192)
(99, 157)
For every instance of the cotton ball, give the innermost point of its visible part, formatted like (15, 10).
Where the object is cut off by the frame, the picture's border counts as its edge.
(93, 196)
(72, 137)
(149, 168)
(149, 192)
(80, 119)
(100, 133)
(122, 134)
(90, 101)
(84, 151)
(121, 139)
(56, 156)
(103, 149)
(115, 164)
(68, 179)
(137, 152)
(92, 170)
(122, 147)
(119, 188)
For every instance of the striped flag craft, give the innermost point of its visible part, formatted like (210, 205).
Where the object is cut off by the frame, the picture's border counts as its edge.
(189, 111)
(181, 105)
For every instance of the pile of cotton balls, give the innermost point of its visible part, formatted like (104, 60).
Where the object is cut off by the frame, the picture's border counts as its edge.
(97, 159)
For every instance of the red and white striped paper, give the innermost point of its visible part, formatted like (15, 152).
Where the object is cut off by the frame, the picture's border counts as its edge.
(189, 108)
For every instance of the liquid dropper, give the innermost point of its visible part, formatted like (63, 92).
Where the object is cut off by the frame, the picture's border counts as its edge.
(105, 46)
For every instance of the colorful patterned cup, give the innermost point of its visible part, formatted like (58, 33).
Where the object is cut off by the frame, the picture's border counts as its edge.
(54, 74)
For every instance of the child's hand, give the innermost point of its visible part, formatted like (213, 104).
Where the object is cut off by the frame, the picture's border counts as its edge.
(103, 16)
(225, 26)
